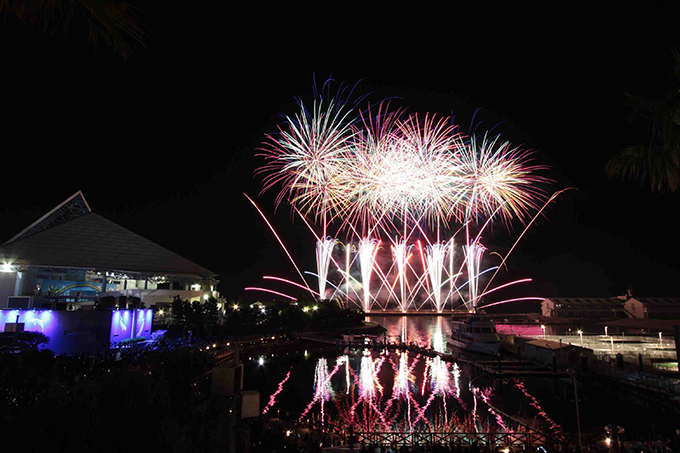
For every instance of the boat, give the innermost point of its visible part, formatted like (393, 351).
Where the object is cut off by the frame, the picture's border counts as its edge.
(474, 332)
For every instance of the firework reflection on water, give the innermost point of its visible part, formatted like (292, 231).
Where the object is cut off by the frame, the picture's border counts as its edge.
(374, 390)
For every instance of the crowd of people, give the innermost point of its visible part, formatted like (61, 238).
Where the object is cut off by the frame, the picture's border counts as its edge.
(166, 385)
(80, 400)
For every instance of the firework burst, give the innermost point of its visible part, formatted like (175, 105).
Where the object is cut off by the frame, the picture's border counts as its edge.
(381, 173)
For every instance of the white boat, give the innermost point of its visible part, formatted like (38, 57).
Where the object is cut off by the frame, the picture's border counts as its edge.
(474, 333)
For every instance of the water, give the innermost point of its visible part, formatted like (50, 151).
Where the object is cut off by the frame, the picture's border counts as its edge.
(374, 390)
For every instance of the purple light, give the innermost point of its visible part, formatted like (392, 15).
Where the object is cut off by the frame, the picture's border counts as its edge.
(131, 324)
(33, 320)
(79, 331)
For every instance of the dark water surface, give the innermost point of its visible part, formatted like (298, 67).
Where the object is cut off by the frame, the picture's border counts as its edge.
(408, 391)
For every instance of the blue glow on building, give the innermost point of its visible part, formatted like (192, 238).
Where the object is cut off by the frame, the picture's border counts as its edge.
(82, 331)
(127, 324)
(34, 320)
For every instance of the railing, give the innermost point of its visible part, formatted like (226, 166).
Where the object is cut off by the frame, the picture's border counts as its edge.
(530, 438)
(398, 438)
(662, 384)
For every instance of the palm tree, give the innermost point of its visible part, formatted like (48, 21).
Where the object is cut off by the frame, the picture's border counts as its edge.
(657, 162)
(113, 23)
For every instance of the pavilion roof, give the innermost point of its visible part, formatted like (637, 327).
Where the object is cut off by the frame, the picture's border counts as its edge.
(72, 236)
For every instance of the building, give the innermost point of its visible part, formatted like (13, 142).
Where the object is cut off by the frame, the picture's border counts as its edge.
(653, 307)
(79, 331)
(584, 307)
(72, 257)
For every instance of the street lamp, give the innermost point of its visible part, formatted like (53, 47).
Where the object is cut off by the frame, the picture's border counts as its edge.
(543, 327)
(580, 333)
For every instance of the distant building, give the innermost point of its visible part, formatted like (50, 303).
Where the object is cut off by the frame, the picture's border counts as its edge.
(653, 307)
(584, 307)
(72, 257)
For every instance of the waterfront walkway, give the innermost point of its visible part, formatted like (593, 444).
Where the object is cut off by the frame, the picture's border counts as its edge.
(499, 367)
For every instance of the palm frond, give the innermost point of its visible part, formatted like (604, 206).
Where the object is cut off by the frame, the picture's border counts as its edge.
(113, 23)
(656, 167)
(658, 162)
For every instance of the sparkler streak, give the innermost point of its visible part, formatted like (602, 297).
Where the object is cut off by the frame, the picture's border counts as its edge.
(485, 397)
(514, 300)
(272, 398)
(252, 288)
(553, 426)
(553, 197)
(280, 241)
(268, 277)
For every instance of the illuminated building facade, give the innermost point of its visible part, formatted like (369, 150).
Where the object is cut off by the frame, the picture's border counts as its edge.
(584, 307)
(78, 331)
(653, 307)
(72, 257)
(621, 307)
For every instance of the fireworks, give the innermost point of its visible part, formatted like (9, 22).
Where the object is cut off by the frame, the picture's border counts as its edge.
(435, 258)
(368, 248)
(381, 174)
(473, 254)
(324, 250)
(371, 168)
(499, 178)
(304, 156)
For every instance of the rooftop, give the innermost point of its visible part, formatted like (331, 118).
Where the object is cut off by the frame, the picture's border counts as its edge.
(71, 236)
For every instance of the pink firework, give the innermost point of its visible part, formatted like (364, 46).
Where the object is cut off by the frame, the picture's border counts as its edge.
(500, 179)
(272, 398)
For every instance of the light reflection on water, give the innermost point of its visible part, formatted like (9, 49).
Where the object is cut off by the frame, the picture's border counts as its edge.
(375, 390)
(403, 391)
(424, 331)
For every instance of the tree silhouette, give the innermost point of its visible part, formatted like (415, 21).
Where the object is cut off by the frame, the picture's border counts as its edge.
(657, 162)
(194, 315)
(113, 23)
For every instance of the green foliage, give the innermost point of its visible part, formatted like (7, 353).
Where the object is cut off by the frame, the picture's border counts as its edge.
(198, 316)
(278, 316)
(655, 163)
(109, 23)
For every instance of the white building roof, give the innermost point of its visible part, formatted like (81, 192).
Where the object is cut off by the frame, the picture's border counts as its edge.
(72, 236)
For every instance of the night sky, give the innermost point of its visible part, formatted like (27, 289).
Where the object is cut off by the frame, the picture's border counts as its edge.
(163, 142)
